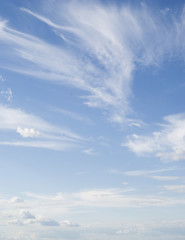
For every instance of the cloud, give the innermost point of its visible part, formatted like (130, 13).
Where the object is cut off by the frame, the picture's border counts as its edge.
(16, 200)
(164, 228)
(48, 222)
(2, 79)
(118, 198)
(97, 198)
(26, 214)
(105, 44)
(149, 174)
(73, 115)
(28, 132)
(17, 119)
(128, 230)
(175, 188)
(52, 145)
(125, 183)
(89, 151)
(165, 178)
(27, 218)
(15, 222)
(7, 94)
(49, 212)
(31, 126)
(142, 172)
(168, 144)
(68, 223)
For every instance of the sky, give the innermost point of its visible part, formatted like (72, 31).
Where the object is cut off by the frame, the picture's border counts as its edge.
(92, 120)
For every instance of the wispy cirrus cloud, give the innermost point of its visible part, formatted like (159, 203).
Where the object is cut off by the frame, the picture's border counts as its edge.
(105, 44)
(168, 143)
(2, 79)
(73, 115)
(142, 172)
(175, 188)
(61, 145)
(89, 151)
(166, 178)
(38, 132)
(156, 174)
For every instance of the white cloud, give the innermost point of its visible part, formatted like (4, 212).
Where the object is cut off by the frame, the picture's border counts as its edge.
(105, 46)
(175, 188)
(125, 183)
(128, 230)
(2, 79)
(15, 222)
(31, 126)
(165, 178)
(142, 172)
(28, 132)
(7, 94)
(170, 229)
(89, 151)
(90, 199)
(59, 211)
(73, 115)
(53, 145)
(118, 198)
(26, 214)
(96, 198)
(16, 200)
(43, 19)
(168, 144)
(68, 223)
(149, 174)
(14, 118)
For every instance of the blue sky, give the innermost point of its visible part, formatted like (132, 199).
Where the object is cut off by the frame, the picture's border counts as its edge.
(92, 120)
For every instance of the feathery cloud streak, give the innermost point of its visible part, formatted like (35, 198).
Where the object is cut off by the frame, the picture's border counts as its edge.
(42, 133)
(100, 48)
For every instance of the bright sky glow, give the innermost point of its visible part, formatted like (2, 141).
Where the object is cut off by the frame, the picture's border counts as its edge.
(92, 120)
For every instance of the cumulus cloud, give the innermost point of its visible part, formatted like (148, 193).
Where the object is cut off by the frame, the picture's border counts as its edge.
(28, 132)
(26, 214)
(168, 144)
